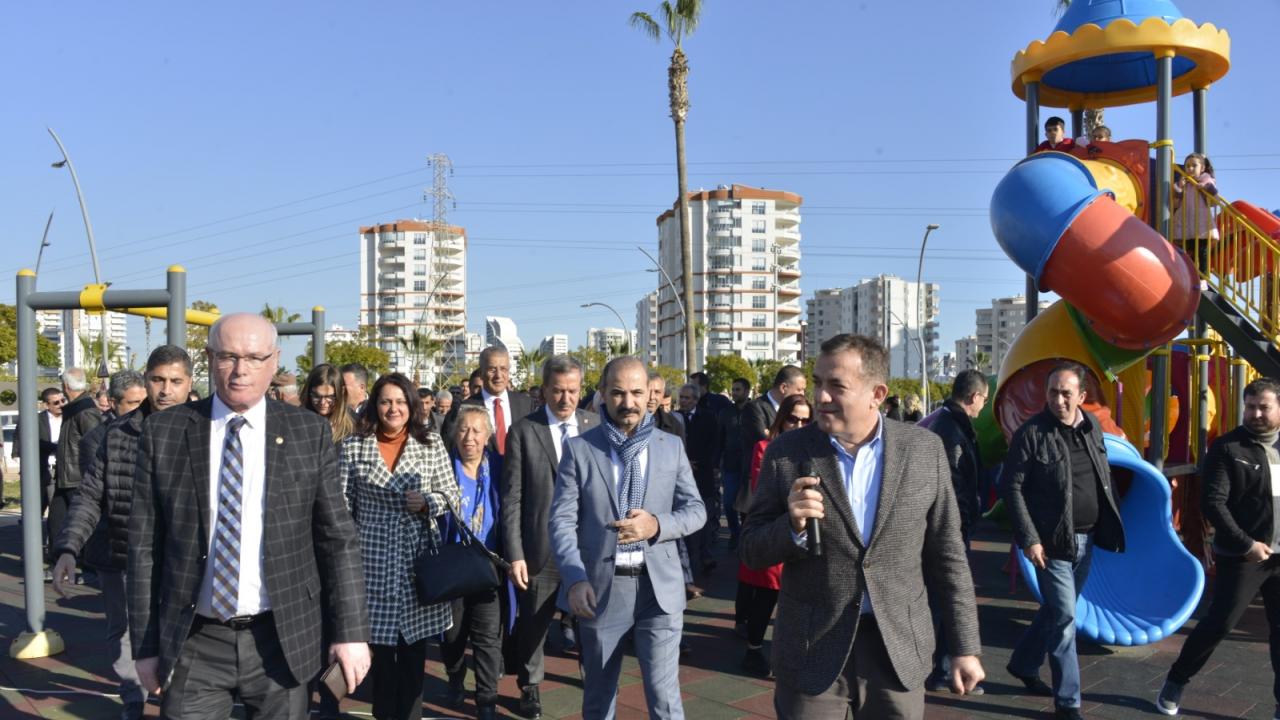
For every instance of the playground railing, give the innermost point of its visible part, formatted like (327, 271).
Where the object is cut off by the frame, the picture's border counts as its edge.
(1232, 255)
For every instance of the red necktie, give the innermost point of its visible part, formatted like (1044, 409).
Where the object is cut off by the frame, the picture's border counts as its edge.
(500, 421)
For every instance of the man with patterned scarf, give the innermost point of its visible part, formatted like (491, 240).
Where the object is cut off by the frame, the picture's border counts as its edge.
(624, 494)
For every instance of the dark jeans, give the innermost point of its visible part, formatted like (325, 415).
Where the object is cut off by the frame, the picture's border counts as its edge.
(59, 504)
(730, 482)
(1237, 584)
(477, 618)
(1053, 631)
(397, 672)
(754, 607)
(219, 664)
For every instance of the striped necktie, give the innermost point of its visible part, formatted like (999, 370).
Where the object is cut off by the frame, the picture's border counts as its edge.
(226, 534)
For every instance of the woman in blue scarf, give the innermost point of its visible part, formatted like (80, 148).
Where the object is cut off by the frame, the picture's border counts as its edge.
(476, 618)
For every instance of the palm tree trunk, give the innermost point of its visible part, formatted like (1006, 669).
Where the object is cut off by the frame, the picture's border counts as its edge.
(1092, 119)
(678, 86)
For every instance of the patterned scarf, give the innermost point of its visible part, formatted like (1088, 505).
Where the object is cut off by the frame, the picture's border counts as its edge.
(632, 487)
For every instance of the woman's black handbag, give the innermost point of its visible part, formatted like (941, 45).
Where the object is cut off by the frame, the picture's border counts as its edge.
(456, 570)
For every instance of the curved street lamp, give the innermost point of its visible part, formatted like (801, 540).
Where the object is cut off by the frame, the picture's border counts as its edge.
(924, 371)
(657, 267)
(626, 332)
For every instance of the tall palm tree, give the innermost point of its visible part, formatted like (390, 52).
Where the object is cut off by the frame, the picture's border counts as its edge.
(678, 21)
(421, 348)
(1093, 117)
(91, 350)
(530, 364)
(278, 314)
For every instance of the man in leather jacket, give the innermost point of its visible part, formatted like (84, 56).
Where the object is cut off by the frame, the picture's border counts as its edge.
(1058, 490)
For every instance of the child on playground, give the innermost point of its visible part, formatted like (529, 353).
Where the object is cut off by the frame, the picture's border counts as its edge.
(1055, 133)
(1191, 226)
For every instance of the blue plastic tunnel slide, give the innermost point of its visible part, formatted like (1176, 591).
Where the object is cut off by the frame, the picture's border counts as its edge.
(1146, 593)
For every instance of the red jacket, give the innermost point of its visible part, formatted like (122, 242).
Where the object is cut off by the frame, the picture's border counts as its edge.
(769, 578)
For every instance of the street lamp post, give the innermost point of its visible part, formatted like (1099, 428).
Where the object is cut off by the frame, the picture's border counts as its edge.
(679, 305)
(103, 370)
(44, 242)
(924, 371)
(626, 332)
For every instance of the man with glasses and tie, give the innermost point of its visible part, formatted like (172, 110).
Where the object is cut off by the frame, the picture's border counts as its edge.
(224, 605)
(534, 448)
(503, 407)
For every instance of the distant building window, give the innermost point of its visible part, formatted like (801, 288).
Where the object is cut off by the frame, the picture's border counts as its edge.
(758, 245)
(758, 283)
(419, 285)
(758, 264)
(759, 301)
(759, 321)
(757, 208)
(757, 226)
(419, 269)
(419, 238)
(420, 254)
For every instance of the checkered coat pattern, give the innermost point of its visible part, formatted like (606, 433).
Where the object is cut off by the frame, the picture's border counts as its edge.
(915, 555)
(310, 556)
(391, 537)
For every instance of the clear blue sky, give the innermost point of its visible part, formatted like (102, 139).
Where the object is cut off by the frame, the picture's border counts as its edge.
(248, 141)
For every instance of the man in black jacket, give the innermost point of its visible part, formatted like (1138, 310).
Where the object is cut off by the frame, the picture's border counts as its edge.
(1058, 488)
(80, 416)
(758, 415)
(702, 435)
(732, 471)
(50, 425)
(955, 426)
(105, 497)
(1241, 473)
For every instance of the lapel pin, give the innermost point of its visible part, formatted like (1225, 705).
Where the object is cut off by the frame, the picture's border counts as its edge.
(279, 440)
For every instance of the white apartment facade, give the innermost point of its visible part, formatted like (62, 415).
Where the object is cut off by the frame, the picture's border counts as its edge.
(71, 328)
(605, 339)
(746, 276)
(413, 278)
(886, 308)
(647, 328)
(557, 344)
(501, 332)
(999, 325)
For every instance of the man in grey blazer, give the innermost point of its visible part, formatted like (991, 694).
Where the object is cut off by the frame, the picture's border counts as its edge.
(534, 448)
(225, 604)
(624, 495)
(854, 631)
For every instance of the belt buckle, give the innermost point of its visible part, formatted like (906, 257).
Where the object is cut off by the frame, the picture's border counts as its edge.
(240, 622)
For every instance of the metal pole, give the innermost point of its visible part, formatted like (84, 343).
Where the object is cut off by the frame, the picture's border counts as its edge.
(317, 336)
(1164, 179)
(1198, 108)
(1077, 122)
(176, 323)
(1033, 139)
(924, 370)
(88, 229)
(29, 447)
(683, 317)
(44, 241)
(626, 332)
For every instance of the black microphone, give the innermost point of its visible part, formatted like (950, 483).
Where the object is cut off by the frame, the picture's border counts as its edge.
(813, 535)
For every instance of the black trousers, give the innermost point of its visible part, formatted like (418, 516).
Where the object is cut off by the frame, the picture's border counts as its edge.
(1238, 582)
(397, 672)
(219, 664)
(59, 505)
(537, 611)
(755, 608)
(478, 619)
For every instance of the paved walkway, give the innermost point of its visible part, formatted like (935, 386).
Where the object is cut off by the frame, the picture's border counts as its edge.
(1119, 682)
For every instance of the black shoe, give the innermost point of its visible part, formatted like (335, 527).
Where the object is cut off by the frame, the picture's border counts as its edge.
(1066, 713)
(457, 690)
(530, 703)
(487, 712)
(132, 711)
(755, 664)
(937, 682)
(1034, 684)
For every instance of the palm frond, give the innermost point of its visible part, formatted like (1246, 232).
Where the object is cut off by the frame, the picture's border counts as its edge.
(645, 23)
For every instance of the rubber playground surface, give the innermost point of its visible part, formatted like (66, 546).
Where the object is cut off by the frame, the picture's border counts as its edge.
(1119, 682)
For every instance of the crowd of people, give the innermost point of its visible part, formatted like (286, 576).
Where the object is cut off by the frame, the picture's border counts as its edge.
(273, 546)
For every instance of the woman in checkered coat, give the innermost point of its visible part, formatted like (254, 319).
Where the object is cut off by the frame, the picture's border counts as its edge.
(397, 479)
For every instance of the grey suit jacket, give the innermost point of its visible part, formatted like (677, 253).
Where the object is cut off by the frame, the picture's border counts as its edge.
(528, 483)
(310, 554)
(586, 503)
(915, 553)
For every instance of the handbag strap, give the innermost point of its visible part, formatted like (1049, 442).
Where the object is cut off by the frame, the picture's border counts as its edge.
(469, 537)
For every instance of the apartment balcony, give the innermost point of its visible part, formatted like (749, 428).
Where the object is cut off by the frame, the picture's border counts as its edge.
(790, 289)
(789, 253)
(786, 236)
(792, 271)
(718, 251)
(788, 309)
(390, 240)
(786, 218)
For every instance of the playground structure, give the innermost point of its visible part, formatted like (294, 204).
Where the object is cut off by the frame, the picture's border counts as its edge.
(1093, 224)
(168, 304)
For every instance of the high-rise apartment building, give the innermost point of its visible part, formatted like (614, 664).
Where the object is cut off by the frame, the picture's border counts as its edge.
(79, 331)
(967, 354)
(647, 328)
(501, 332)
(609, 339)
(746, 276)
(554, 345)
(886, 308)
(413, 278)
(998, 325)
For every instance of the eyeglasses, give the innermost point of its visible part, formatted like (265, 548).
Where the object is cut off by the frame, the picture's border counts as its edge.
(253, 362)
(794, 420)
(318, 398)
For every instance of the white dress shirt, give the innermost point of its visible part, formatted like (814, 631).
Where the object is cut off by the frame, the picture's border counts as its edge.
(630, 558)
(506, 408)
(253, 443)
(55, 434)
(556, 434)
